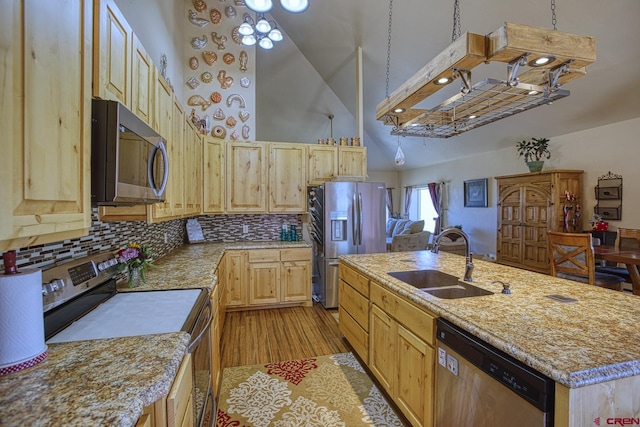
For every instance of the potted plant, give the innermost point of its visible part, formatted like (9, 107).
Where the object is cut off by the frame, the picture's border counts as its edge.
(534, 151)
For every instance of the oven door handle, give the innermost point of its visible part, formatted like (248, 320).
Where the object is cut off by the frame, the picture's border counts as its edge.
(197, 340)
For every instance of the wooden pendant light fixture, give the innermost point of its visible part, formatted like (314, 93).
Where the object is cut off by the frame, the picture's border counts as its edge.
(515, 45)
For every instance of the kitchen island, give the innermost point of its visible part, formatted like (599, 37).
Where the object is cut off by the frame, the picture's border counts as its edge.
(588, 347)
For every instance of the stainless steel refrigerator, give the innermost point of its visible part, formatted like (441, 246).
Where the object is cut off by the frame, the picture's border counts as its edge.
(346, 218)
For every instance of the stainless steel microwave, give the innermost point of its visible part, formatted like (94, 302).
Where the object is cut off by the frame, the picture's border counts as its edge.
(129, 161)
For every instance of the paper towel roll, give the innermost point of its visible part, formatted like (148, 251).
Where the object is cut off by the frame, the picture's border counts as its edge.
(21, 321)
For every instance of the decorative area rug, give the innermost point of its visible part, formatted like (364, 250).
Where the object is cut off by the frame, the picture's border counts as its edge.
(322, 391)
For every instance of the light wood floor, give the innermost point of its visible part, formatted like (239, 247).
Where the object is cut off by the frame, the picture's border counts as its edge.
(275, 335)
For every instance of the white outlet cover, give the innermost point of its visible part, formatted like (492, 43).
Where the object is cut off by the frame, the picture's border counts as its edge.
(442, 357)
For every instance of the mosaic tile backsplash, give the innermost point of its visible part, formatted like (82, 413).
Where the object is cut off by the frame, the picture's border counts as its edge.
(161, 238)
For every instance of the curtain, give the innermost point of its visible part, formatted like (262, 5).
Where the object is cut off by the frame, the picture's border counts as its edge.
(435, 191)
(407, 201)
(389, 201)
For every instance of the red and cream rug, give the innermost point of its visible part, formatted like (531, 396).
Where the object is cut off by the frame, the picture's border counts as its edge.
(322, 391)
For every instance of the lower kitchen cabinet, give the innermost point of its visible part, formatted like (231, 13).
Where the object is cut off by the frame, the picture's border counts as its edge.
(402, 354)
(353, 309)
(176, 409)
(266, 277)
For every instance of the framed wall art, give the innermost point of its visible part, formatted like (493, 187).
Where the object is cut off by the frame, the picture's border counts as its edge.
(475, 193)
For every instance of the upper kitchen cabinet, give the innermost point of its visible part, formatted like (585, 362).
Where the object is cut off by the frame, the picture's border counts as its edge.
(176, 160)
(113, 42)
(287, 173)
(45, 99)
(142, 84)
(327, 162)
(246, 173)
(192, 170)
(163, 107)
(214, 176)
(322, 164)
(352, 162)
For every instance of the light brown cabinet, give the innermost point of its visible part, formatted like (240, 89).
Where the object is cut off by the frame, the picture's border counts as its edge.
(176, 161)
(264, 277)
(192, 170)
(113, 41)
(142, 83)
(287, 174)
(213, 175)
(326, 162)
(402, 354)
(353, 309)
(528, 206)
(246, 173)
(45, 101)
(295, 275)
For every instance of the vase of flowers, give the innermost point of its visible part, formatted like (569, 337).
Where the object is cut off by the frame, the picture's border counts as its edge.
(135, 258)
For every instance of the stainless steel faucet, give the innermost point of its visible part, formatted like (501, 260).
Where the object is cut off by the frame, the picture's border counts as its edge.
(468, 268)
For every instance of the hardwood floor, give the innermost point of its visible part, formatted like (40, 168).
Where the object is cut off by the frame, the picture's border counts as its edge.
(275, 335)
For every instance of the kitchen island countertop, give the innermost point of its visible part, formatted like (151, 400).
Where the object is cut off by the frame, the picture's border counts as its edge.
(590, 341)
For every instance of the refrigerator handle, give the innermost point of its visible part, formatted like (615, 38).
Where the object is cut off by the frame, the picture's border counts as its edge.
(360, 219)
(354, 219)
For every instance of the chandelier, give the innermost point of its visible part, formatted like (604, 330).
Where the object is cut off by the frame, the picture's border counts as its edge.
(262, 31)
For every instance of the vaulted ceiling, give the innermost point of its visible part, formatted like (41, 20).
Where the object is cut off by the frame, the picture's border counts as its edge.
(329, 32)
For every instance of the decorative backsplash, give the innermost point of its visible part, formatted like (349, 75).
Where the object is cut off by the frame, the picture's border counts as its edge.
(112, 236)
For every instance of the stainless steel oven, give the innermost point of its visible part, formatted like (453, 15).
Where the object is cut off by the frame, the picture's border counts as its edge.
(81, 302)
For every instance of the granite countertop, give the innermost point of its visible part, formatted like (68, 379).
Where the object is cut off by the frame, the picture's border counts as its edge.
(97, 382)
(110, 381)
(586, 342)
(193, 265)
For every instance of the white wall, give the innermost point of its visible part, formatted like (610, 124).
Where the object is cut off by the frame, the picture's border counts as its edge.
(596, 151)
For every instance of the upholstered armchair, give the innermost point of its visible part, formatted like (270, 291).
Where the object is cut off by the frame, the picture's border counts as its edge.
(406, 235)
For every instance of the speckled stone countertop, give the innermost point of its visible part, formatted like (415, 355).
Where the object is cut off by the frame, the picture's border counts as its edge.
(93, 383)
(193, 265)
(589, 341)
(108, 382)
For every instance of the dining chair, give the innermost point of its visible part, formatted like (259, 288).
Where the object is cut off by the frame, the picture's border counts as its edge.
(571, 257)
(626, 238)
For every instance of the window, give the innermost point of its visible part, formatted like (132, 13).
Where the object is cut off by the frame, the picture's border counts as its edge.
(425, 209)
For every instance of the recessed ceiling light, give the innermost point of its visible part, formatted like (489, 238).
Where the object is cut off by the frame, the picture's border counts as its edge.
(543, 60)
(442, 81)
(399, 110)
(472, 116)
(415, 124)
(533, 92)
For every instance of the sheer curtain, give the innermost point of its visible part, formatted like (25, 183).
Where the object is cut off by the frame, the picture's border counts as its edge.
(435, 191)
(389, 201)
(407, 201)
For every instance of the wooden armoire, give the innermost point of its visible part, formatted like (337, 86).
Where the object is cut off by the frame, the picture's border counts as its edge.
(529, 205)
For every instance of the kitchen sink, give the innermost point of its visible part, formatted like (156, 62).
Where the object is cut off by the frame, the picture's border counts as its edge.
(439, 284)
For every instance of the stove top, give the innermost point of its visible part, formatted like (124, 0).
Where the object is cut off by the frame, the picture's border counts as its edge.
(131, 314)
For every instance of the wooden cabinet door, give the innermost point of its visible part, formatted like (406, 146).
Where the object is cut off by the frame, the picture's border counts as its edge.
(112, 53)
(382, 342)
(296, 281)
(142, 83)
(287, 178)
(264, 280)
(247, 176)
(193, 171)
(176, 160)
(214, 176)
(45, 99)
(536, 211)
(414, 389)
(179, 402)
(236, 265)
(509, 225)
(163, 107)
(322, 163)
(352, 161)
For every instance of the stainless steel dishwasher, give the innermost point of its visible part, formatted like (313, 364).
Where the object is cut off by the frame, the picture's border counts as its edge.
(478, 385)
